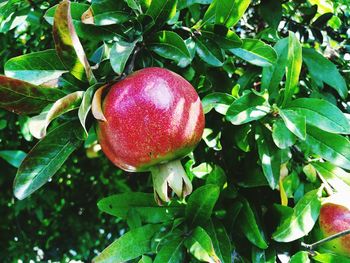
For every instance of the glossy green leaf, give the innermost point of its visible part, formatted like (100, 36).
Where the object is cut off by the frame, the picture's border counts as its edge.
(217, 176)
(47, 156)
(269, 155)
(201, 203)
(171, 252)
(229, 12)
(335, 176)
(300, 257)
(249, 107)
(68, 46)
(330, 258)
(220, 239)
(36, 68)
(269, 7)
(39, 123)
(120, 53)
(77, 9)
(322, 114)
(200, 245)
(13, 157)
(294, 62)
(85, 105)
(218, 101)
(250, 227)
(303, 219)
(295, 122)
(25, 98)
(209, 52)
(256, 52)
(187, 3)
(226, 41)
(129, 246)
(281, 135)
(144, 204)
(170, 45)
(324, 71)
(331, 147)
(273, 75)
(162, 10)
(263, 256)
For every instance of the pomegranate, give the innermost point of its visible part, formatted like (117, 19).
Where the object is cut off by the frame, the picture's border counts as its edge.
(154, 117)
(335, 218)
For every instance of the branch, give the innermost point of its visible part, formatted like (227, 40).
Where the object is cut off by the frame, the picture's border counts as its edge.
(327, 239)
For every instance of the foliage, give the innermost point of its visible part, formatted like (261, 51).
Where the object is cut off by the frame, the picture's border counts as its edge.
(273, 77)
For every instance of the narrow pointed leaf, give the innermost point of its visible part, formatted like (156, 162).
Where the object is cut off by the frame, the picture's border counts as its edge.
(295, 122)
(294, 62)
(303, 219)
(217, 100)
(39, 123)
(25, 98)
(36, 68)
(256, 52)
(129, 246)
(171, 252)
(162, 10)
(209, 52)
(322, 114)
(47, 156)
(13, 157)
(120, 53)
(67, 44)
(229, 12)
(85, 105)
(331, 147)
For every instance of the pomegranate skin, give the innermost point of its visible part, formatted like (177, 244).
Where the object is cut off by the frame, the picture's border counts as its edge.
(335, 218)
(152, 116)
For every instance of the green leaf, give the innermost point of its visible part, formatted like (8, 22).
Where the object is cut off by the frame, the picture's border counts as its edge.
(39, 123)
(170, 45)
(162, 10)
(220, 239)
(144, 204)
(249, 226)
(171, 252)
(77, 10)
(225, 40)
(294, 62)
(187, 3)
(273, 75)
(47, 156)
(295, 122)
(330, 257)
(218, 101)
(322, 70)
(36, 68)
(331, 147)
(14, 158)
(263, 256)
(68, 46)
(300, 257)
(145, 259)
(201, 203)
(217, 176)
(322, 114)
(200, 245)
(268, 7)
(256, 52)
(303, 219)
(249, 107)
(229, 12)
(209, 52)
(120, 53)
(269, 155)
(281, 135)
(25, 98)
(85, 105)
(335, 176)
(131, 245)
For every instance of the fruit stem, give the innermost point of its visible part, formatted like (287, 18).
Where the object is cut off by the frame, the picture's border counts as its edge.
(170, 176)
(337, 235)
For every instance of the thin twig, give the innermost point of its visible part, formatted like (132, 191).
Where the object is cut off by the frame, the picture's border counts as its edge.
(327, 239)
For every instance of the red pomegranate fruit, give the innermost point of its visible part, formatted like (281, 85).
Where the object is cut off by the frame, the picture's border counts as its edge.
(154, 117)
(335, 218)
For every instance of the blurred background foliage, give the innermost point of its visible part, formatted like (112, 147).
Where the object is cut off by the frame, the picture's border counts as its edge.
(61, 222)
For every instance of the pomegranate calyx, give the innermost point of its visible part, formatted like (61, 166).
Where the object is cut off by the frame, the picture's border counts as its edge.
(170, 177)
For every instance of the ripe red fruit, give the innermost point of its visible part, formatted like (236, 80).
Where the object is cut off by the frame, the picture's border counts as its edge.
(154, 117)
(335, 218)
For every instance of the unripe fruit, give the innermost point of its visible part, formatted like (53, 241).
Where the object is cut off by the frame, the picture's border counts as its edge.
(335, 218)
(154, 117)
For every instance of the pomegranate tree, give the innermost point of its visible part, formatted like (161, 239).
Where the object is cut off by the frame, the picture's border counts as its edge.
(153, 118)
(335, 218)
